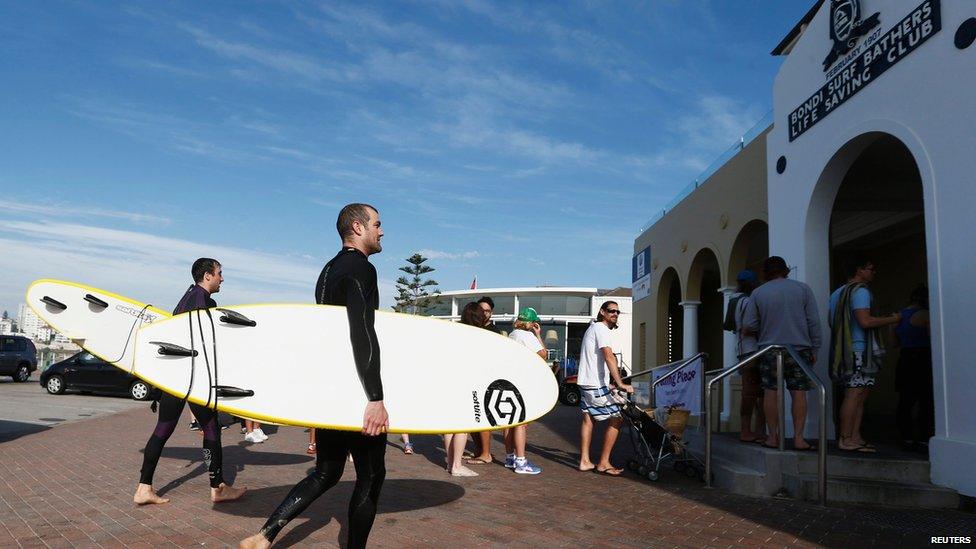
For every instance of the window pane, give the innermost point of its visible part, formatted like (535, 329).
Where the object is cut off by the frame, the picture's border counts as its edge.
(504, 304)
(440, 306)
(546, 305)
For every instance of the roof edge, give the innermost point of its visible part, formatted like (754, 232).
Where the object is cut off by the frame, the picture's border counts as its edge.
(786, 44)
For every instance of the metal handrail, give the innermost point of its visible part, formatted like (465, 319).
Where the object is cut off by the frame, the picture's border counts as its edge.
(781, 406)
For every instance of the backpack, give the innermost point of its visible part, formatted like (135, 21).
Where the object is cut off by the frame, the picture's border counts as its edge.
(729, 323)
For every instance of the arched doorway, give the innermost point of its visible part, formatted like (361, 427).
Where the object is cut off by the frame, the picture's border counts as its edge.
(670, 320)
(878, 212)
(750, 248)
(704, 286)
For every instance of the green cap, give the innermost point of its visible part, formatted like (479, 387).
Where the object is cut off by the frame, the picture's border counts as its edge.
(528, 314)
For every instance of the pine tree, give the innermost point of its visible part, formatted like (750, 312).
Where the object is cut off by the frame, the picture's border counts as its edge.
(416, 295)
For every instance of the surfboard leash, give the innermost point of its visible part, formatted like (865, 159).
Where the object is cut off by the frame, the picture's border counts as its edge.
(138, 319)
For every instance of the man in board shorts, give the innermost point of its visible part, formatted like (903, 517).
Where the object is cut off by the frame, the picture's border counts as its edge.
(598, 366)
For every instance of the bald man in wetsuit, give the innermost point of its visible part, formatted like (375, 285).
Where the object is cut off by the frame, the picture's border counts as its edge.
(347, 280)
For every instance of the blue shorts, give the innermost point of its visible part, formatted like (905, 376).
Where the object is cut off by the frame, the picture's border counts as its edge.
(598, 402)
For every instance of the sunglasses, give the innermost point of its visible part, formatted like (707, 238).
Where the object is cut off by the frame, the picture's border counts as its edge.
(612, 311)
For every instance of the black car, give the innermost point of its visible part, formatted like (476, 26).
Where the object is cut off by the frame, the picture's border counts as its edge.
(18, 357)
(88, 373)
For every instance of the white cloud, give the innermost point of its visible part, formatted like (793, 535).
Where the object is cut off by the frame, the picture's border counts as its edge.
(438, 254)
(62, 210)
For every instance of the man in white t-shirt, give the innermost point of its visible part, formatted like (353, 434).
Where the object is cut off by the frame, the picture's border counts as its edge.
(528, 332)
(597, 367)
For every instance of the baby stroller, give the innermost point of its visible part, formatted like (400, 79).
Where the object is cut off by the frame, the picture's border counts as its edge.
(656, 437)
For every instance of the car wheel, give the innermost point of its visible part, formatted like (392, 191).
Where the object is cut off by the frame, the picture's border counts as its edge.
(572, 397)
(23, 373)
(55, 385)
(139, 390)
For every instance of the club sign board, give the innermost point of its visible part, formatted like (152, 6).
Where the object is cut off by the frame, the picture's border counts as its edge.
(862, 65)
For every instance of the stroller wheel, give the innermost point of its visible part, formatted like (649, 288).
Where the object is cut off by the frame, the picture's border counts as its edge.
(651, 475)
(679, 466)
(691, 472)
(642, 470)
(633, 465)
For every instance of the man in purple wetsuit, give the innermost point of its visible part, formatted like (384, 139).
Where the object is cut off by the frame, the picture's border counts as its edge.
(207, 276)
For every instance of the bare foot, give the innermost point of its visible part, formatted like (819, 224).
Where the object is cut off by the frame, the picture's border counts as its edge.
(257, 541)
(586, 466)
(462, 471)
(226, 493)
(145, 495)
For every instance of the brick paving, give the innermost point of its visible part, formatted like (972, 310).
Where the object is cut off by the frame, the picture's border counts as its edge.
(71, 486)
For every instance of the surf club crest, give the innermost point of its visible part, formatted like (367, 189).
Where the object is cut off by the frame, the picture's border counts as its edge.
(846, 27)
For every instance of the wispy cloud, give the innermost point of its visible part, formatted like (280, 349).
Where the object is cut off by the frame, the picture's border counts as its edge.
(77, 210)
(438, 254)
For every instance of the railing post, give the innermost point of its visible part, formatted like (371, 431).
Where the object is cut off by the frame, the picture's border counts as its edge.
(822, 449)
(781, 400)
(708, 433)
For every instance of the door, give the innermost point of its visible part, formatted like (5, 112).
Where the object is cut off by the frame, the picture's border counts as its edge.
(84, 373)
(7, 354)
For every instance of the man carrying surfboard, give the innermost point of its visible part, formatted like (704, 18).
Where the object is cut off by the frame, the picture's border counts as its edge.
(348, 280)
(207, 277)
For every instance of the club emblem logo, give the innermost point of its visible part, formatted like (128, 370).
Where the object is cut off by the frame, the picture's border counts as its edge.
(503, 403)
(846, 27)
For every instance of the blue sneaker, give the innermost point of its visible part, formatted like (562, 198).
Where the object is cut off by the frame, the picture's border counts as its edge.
(510, 461)
(525, 467)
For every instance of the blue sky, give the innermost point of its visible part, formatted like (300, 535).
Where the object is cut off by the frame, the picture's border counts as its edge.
(522, 143)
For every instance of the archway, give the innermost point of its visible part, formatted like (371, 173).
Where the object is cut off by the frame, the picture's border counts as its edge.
(670, 320)
(750, 248)
(878, 212)
(704, 286)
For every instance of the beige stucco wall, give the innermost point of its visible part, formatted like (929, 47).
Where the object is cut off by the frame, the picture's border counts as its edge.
(710, 217)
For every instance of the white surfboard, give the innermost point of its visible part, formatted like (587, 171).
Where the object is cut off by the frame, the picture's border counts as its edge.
(103, 323)
(295, 366)
(438, 376)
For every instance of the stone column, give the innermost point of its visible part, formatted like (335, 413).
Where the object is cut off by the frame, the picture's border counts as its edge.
(729, 359)
(690, 336)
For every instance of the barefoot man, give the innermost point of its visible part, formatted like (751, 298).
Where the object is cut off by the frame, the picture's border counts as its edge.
(348, 280)
(207, 276)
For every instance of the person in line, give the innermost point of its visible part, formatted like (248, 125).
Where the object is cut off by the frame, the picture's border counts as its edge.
(598, 367)
(207, 276)
(454, 442)
(745, 345)
(348, 280)
(784, 312)
(482, 439)
(253, 432)
(855, 349)
(528, 332)
(913, 376)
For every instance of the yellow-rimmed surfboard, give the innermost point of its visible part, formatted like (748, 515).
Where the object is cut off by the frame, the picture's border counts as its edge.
(292, 363)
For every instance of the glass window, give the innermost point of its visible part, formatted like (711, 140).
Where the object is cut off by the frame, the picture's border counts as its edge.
(87, 358)
(546, 305)
(440, 306)
(504, 304)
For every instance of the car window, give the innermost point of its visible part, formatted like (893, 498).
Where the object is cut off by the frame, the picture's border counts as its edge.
(20, 344)
(88, 358)
(6, 343)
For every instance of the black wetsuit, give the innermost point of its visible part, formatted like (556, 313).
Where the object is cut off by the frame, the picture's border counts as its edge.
(171, 407)
(348, 280)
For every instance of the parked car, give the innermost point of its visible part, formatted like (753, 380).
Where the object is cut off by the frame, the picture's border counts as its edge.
(87, 373)
(18, 357)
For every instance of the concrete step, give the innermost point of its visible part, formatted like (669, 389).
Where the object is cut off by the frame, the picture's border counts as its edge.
(739, 479)
(872, 468)
(878, 492)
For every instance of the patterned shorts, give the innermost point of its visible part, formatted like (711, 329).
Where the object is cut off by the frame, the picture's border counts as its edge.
(597, 402)
(793, 375)
(858, 378)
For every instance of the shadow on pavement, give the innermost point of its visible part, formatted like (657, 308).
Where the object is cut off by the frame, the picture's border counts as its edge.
(9, 430)
(235, 458)
(398, 495)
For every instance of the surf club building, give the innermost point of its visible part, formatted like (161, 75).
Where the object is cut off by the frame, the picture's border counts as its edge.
(870, 148)
(566, 313)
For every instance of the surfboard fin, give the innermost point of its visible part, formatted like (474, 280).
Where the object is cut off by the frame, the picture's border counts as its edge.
(54, 303)
(95, 301)
(225, 391)
(171, 349)
(234, 317)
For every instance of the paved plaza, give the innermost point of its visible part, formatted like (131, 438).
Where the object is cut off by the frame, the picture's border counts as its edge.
(71, 486)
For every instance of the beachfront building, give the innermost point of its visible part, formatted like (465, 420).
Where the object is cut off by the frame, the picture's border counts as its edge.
(868, 149)
(565, 314)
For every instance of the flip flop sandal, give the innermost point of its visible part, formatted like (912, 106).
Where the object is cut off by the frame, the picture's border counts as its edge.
(608, 473)
(478, 461)
(311, 449)
(860, 449)
(408, 448)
